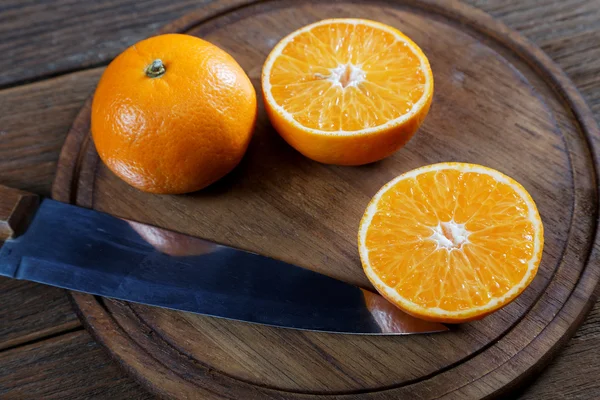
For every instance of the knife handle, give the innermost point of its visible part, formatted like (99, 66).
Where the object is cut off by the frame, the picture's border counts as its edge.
(16, 210)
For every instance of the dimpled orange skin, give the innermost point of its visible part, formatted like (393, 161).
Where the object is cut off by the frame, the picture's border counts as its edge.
(178, 132)
(348, 149)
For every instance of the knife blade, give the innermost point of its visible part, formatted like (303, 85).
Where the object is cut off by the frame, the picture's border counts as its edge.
(92, 252)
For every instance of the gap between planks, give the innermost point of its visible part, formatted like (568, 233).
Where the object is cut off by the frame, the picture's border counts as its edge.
(42, 335)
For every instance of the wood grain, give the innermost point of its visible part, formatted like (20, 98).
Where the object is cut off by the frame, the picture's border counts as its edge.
(65, 44)
(71, 366)
(567, 30)
(35, 121)
(31, 311)
(68, 35)
(573, 374)
(525, 118)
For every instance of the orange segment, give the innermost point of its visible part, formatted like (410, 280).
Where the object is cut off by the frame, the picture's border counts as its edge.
(451, 242)
(347, 91)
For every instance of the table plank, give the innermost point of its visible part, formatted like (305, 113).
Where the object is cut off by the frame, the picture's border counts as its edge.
(71, 366)
(33, 125)
(568, 31)
(43, 38)
(59, 36)
(31, 311)
(34, 121)
(562, 379)
(574, 373)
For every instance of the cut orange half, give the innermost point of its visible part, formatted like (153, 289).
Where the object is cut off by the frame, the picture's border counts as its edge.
(347, 91)
(451, 242)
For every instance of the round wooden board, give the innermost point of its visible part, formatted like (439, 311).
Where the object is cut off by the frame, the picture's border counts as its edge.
(499, 101)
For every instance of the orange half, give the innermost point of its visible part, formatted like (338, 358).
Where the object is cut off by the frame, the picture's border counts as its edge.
(451, 242)
(347, 91)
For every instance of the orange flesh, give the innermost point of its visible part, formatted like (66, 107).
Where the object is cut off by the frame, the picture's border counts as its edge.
(492, 260)
(346, 77)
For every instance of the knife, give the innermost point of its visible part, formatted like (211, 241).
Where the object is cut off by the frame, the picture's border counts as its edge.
(79, 249)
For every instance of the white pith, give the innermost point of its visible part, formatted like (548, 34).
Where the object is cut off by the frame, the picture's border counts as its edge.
(450, 235)
(495, 302)
(394, 122)
(356, 75)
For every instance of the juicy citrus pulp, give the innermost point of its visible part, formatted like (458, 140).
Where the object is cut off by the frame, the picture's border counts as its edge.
(451, 242)
(347, 91)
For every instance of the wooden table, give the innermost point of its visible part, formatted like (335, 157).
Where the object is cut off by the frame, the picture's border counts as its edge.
(53, 54)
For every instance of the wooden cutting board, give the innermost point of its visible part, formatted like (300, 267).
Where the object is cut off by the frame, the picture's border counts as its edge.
(499, 101)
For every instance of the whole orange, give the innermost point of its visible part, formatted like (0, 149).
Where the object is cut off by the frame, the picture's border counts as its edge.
(173, 114)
